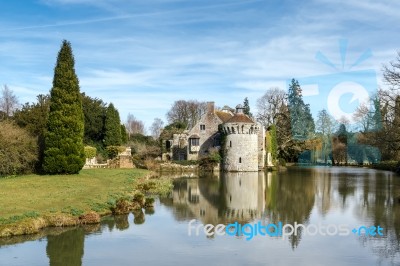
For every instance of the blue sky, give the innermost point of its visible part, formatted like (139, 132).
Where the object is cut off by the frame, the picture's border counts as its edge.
(143, 55)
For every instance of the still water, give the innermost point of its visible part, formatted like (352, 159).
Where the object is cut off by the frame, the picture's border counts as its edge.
(311, 196)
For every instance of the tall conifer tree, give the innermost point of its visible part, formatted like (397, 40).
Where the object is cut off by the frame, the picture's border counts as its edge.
(302, 122)
(64, 153)
(246, 107)
(112, 127)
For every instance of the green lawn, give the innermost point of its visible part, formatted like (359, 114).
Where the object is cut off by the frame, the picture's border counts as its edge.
(92, 189)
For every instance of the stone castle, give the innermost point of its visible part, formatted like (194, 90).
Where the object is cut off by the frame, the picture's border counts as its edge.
(241, 139)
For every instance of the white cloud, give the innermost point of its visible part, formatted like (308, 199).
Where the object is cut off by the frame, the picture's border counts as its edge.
(143, 58)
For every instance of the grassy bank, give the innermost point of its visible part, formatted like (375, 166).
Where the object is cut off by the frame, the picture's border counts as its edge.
(31, 202)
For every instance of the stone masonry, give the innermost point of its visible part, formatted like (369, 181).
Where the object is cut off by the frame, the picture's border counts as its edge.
(241, 138)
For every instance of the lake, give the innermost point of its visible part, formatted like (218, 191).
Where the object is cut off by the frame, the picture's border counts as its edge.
(329, 202)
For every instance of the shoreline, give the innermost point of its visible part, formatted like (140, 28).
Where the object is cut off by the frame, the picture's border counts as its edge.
(135, 189)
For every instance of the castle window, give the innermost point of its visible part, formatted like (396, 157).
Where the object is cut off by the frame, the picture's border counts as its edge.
(240, 159)
(230, 143)
(202, 127)
(194, 142)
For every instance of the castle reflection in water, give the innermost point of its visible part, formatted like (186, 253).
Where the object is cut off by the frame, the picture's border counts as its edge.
(244, 197)
(296, 195)
(220, 199)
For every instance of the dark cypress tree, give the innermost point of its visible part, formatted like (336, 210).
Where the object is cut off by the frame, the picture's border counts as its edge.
(124, 135)
(112, 127)
(302, 122)
(94, 111)
(63, 153)
(246, 107)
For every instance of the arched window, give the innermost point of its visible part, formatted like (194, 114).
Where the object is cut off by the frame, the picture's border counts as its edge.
(230, 143)
(240, 159)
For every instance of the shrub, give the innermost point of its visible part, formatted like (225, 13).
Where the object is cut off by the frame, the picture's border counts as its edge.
(18, 150)
(113, 151)
(387, 165)
(90, 151)
(89, 218)
(209, 162)
(123, 206)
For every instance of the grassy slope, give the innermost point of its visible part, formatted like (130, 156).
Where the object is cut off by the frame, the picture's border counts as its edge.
(89, 190)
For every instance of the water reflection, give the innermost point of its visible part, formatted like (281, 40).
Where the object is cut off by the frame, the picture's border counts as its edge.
(222, 199)
(304, 195)
(66, 248)
(373, 197)
(243, 195)
(290, 199)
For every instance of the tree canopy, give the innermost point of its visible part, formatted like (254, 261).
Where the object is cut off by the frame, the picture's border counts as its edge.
(302, 122)
(64, 152)
(112, 127)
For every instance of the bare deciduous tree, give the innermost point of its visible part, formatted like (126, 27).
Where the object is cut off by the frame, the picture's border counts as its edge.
(134, 126)
(325, 126)
(156, 127)
(188, 112)
(269, 105)
(8, 102)
(391, 73)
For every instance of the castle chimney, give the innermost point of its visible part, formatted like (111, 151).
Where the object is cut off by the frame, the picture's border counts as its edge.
(210, 107)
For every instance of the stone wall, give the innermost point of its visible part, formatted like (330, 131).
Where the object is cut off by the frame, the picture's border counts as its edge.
(208, 135)
(125, 161)
(241, 149)
(261, 147)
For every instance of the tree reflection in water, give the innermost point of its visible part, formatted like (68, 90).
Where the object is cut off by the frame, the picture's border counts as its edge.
(302, 195)
(66, 248)
(290, 199)
(292, 196)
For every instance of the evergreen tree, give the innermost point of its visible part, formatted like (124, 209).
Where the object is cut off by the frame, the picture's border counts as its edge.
(302, 122)
(64, 151)
(273, 142)
(124, 134)
(246, 107)
(94, 110)
(112, 127)
(376, 116)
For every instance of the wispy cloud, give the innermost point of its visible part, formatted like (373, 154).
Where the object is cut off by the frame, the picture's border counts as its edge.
(142, 56)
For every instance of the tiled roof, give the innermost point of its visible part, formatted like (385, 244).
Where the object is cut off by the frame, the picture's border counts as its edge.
(224, 116)
(240, 118)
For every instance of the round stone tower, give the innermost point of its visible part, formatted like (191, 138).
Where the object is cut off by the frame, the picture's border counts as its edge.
(241, 143)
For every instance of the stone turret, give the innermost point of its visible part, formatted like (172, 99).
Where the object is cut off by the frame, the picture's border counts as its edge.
(241, 143)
